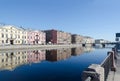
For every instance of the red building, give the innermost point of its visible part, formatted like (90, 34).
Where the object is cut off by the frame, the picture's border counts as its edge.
(57, 37)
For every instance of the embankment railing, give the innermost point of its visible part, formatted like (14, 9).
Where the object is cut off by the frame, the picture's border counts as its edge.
(99, 72)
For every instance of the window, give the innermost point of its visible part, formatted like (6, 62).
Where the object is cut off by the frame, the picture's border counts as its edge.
(11, 35)
(2, 41)
(18, 36)
(2, 35)
(6, 60)
(19, 58)
(6, 41)
(7, 54)
(6, 35)
(2, 29)
(2, 60)
(18, 41)
(15, 36)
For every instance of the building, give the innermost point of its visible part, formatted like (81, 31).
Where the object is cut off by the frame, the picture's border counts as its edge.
(77, 39)
(36, 37)
(12, 35)
(99, 41)
(57, 37)
(88, 40)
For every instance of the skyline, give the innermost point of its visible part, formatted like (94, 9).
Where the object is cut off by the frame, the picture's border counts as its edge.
(95, 18)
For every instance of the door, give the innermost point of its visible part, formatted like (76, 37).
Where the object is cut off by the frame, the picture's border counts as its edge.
(11, 42)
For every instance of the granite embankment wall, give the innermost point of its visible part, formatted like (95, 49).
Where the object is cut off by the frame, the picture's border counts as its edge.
(20, 47)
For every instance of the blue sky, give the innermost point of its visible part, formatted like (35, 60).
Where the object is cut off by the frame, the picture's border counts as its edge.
(95, 18)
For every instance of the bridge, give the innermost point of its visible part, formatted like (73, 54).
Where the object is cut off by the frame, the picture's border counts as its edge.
(103, 44)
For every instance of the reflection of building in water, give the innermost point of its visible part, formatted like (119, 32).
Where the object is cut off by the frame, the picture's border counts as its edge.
(58, 54)
(36, 56)
(88, 49)
(8, 61)
(77, 51)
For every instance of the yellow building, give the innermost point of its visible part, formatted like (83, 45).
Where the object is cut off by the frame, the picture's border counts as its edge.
(10, 34)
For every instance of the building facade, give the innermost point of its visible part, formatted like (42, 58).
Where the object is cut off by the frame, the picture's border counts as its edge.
(36, 37)
(77, 39)
(88, 40)
(57, 37)
(99, 41)
(12, 35)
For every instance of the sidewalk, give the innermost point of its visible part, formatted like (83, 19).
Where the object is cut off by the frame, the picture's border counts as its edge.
(115, 76)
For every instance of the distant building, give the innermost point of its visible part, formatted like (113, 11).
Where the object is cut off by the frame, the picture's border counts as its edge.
(87, 39)
(77, 39)
(36, 37)
(99, 41)
(57, 37)
(12, 35)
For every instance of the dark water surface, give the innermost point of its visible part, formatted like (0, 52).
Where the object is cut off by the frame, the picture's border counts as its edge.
(48, 65)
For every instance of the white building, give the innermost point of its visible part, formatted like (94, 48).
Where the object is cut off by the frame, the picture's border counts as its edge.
(88, 40)
(99, 41)
(10, 34)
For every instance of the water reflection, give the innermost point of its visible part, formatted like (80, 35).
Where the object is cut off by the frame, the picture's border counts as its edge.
(88, 49)
(48, 65)
(77, 51)
(58, 54)
(35, 56)
(11, 60)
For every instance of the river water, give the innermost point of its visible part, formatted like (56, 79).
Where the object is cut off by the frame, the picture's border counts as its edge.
(65, 64)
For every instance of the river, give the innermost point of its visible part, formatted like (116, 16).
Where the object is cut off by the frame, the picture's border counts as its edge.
(65, 64)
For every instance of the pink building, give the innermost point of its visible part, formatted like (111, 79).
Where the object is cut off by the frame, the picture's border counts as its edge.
(35, 56)
(36, 37)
